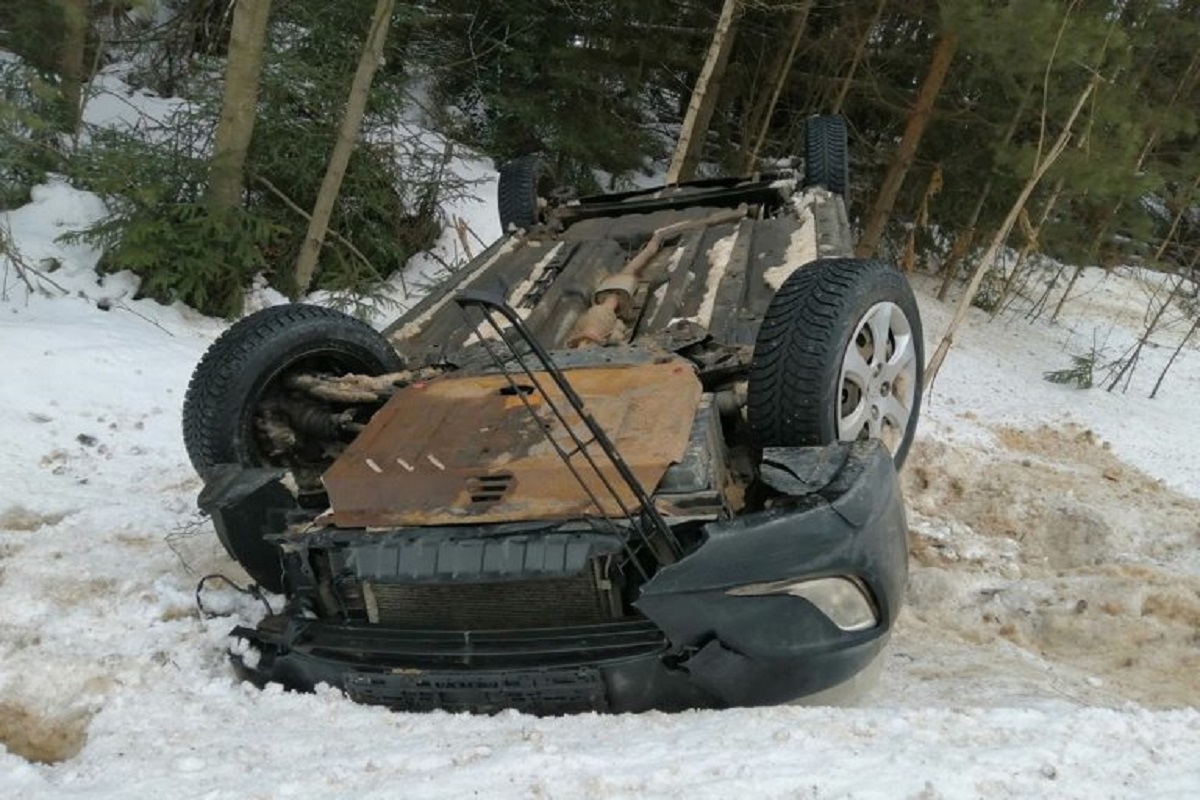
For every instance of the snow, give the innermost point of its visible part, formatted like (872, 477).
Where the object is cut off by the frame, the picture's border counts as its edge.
(1048, 647)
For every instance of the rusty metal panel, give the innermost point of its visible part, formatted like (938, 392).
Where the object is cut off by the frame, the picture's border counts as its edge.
(465, 449)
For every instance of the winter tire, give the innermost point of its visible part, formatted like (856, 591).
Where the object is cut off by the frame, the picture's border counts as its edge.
(839, 356)
(242, 381)
(525, 183)
(825, 154)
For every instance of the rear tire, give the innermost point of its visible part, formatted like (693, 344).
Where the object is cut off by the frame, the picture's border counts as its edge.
(839, 356)
(524, 185)
(826, 159)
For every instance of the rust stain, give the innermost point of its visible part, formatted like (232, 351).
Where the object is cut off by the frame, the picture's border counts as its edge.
(465, 449)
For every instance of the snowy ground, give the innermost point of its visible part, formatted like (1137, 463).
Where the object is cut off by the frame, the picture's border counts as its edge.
(1050, 645)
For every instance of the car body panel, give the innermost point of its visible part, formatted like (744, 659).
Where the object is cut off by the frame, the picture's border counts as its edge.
(697, 645)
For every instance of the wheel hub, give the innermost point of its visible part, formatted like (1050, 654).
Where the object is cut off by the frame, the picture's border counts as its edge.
(879, 374)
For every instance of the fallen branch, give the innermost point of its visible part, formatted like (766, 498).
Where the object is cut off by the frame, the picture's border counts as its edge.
(460, 227)
(26, 272)
(1182, 343)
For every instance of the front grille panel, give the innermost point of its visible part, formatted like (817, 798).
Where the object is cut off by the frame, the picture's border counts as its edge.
(501, 605)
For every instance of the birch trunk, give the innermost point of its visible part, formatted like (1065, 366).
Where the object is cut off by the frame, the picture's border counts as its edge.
(70, 62)
(704, 98)
(339, 159)
(247, 38)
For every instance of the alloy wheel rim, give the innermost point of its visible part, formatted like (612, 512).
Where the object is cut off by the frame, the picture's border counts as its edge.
(878, 382)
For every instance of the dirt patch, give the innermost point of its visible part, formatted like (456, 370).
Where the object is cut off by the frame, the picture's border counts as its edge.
(40, 738)
(1049, 542)
(72, 592)
(19, 518)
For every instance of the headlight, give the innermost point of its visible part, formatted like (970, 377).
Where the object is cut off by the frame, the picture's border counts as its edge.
(844, 600)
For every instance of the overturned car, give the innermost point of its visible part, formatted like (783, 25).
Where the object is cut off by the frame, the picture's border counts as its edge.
(640, 453)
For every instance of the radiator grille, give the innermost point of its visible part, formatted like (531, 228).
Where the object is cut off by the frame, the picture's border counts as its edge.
(501, 605)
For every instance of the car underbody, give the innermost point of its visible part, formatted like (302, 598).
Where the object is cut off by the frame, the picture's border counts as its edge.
(608, 474)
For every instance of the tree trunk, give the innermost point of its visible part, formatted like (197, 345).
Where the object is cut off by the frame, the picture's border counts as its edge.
(704, 98)
(1162, 376)
(1185, 207)
(764, 106)
(989, 257)
(247, 38)
(339, 159)
(1093, 251)
(908, 261)
(943, 53)
(1032, 244)
(859, 52)
(965, 237)
(1128, 364)
(70, 62)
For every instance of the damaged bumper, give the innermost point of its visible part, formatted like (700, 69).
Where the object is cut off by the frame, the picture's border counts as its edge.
(769, 607)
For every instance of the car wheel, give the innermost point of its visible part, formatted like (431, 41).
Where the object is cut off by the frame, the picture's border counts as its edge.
(525, 183)
(240, 406)
(839, 356)
(826, 160)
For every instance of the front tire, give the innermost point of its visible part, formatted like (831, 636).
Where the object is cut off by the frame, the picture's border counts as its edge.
(241, 409)
(839, 356)
(239, 394)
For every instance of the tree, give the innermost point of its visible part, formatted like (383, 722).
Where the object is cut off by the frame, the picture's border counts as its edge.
(1045, 159)
(235, 128)
(914, 128)
(347, 136)
(704, 97)
(759, 122)
(71, 60)
(859, 53)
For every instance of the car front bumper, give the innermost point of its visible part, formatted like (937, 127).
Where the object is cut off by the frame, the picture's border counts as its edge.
(699, 642)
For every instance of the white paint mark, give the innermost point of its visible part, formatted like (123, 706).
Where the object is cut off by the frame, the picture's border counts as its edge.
(407, 466)
(370, 462)
(433, 460)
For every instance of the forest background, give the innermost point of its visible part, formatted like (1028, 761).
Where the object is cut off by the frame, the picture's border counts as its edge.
(1059, 129)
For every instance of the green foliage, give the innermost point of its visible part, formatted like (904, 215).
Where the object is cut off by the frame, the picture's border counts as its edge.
(28, 143)
(599, 89)
(154, 180)
(990, 293)
(1079, 374)
(159, 227)
(33, 31)
(388, 200)
(37, 32)
(572, 81)
(182, 252)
